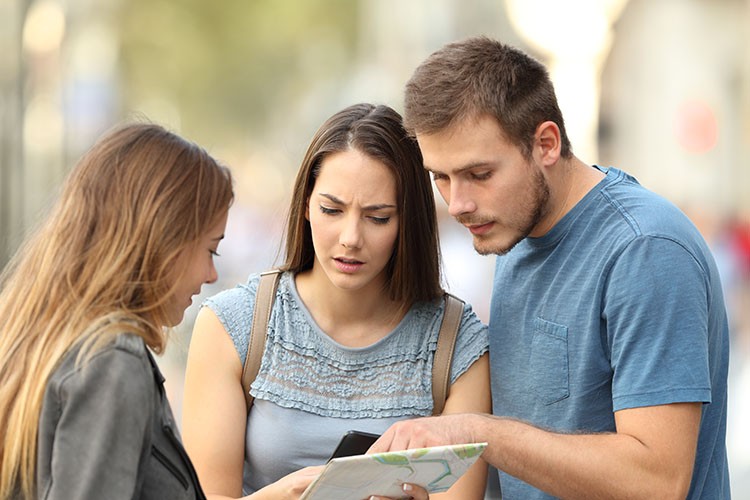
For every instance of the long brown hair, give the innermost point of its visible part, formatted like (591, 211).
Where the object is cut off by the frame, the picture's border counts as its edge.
(377, 131)
(479, 76)
(101, 263)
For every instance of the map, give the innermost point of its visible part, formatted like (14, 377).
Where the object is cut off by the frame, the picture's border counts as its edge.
(435, 469)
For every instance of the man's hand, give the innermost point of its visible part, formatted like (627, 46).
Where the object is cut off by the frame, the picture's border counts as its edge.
(426, 432)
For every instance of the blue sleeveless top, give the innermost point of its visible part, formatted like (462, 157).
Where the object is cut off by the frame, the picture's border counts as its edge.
(310, 389)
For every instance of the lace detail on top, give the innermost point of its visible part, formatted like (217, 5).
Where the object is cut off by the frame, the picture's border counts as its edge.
(305, 369)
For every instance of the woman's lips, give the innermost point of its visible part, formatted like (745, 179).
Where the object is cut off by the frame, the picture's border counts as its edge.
(347, 265)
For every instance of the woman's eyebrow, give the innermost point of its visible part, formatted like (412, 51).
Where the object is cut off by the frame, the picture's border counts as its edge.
(377, 206)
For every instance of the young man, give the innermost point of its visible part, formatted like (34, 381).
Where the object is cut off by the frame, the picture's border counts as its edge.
(609, 340)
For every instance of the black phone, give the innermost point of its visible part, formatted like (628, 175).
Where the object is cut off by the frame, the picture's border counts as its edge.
(354, 443)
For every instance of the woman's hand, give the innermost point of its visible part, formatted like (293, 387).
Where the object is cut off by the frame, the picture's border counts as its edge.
(291, 486)
(413, 491)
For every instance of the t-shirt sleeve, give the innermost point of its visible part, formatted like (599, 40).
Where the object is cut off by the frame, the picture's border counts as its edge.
(656, 312)
(471, 343)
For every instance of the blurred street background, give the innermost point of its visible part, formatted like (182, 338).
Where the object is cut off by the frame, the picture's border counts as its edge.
(660, 89)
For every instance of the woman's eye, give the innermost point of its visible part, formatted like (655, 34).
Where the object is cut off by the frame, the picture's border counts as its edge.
(214, 253)
(380, 220)
(328, 211)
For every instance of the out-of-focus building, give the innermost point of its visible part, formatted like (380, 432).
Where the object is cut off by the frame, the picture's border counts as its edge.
(12, 13)
(676, 101)
(58, 92)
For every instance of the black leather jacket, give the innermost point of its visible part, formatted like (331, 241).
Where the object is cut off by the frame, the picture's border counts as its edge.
(107, 430)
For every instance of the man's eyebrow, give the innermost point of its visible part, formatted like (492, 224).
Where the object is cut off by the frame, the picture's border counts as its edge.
(377, 206)
(458, 170)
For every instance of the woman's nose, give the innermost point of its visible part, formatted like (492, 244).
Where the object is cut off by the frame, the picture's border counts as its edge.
(351, 233)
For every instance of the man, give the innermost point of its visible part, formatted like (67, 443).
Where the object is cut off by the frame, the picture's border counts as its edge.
(609, 340)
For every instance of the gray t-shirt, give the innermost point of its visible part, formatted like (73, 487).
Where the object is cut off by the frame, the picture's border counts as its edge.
(310, 390)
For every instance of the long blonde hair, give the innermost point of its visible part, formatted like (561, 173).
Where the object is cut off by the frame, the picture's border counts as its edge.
(102, 262)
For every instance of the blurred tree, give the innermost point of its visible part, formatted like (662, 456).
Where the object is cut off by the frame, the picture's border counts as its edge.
(228, 66)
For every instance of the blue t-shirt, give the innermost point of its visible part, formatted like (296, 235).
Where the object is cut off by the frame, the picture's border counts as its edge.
(310, 390)
(618, 306)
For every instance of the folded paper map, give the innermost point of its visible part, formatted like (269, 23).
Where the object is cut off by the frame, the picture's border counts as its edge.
(435, 469)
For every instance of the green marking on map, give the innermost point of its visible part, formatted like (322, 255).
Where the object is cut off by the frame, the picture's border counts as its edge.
(469, 451)
(391, 458)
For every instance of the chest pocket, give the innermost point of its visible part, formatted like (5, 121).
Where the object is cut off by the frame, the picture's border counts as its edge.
(548, 362)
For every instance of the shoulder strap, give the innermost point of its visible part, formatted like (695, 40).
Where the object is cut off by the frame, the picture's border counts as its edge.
(441, 365)
(264, 298)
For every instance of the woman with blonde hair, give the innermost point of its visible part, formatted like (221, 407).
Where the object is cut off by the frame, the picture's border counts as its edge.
(83, 412)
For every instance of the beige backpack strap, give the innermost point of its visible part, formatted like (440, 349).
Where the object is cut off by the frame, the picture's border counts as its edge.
(264, 299)
(441, 365)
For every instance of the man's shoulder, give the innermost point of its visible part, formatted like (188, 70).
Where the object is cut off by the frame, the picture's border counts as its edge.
(627, 212)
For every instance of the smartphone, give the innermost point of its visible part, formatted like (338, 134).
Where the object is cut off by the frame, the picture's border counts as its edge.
(354, 443)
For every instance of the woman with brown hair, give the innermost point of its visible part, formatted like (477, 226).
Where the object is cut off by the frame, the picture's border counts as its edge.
(353, 328)
(83, 413)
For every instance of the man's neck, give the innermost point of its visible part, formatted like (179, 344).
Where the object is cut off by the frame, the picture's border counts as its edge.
(569, 181)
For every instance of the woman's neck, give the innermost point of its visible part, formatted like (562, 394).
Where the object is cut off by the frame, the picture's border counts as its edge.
(354, 318)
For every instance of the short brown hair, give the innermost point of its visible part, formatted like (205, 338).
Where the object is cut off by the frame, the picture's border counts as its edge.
(413, 271)
(479, 76)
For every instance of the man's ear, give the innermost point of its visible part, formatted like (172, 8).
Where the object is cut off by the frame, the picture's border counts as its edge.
(547, 142)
